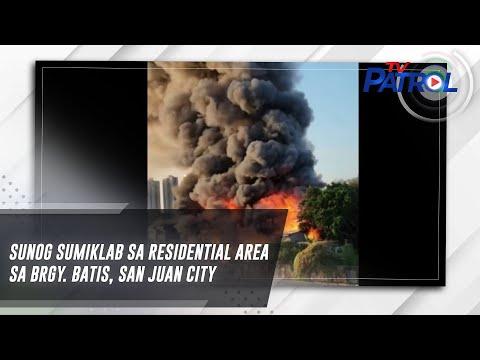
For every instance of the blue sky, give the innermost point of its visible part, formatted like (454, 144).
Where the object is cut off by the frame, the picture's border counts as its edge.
(333, 97)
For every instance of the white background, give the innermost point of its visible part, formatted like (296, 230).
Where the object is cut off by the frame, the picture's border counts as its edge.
(462, 293)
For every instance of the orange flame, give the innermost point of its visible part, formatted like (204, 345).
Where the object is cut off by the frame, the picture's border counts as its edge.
(231, 205)
(313, 234)
(276, 201)
(283, 201)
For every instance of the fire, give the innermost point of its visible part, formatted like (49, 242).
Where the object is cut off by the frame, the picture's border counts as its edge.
(276, 201)
(283, 201)
(231, 205)
(313, 234)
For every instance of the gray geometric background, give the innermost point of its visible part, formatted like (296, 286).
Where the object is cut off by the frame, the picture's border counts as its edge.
(462, 293)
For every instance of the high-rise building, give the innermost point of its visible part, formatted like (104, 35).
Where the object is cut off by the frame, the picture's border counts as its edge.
(168, 198)
(153, 194)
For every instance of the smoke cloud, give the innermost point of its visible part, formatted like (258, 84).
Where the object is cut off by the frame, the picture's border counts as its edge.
(238, 127)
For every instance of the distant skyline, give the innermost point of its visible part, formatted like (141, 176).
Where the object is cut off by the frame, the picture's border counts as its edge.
(332, 93)
(160, 195)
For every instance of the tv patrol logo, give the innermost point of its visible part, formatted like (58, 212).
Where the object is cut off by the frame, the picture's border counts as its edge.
(425, 88)
(400, 80)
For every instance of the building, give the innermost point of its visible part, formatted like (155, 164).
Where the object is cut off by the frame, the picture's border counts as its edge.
(153, 194)
(168, 185)
(295, 237)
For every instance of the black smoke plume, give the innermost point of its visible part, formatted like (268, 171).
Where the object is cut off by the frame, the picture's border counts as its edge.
(238, 127)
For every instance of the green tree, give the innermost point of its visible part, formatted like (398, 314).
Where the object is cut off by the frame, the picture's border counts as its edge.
(288, 252)
(333, 210)
(349, 255)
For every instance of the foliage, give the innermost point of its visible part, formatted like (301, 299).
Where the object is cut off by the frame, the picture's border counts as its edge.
(349, 255)
(314, 259)
(288, 252)
(333, 210)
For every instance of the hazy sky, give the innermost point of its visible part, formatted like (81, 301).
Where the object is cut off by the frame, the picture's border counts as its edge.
(333, 97)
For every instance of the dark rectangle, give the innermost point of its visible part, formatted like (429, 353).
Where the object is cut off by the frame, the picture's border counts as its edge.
(402, 191)
(91, 132)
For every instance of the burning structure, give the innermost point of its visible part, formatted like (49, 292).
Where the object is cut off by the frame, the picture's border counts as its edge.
(239, 129)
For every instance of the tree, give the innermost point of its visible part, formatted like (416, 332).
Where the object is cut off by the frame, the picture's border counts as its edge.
(333, 210)
(288, 252)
